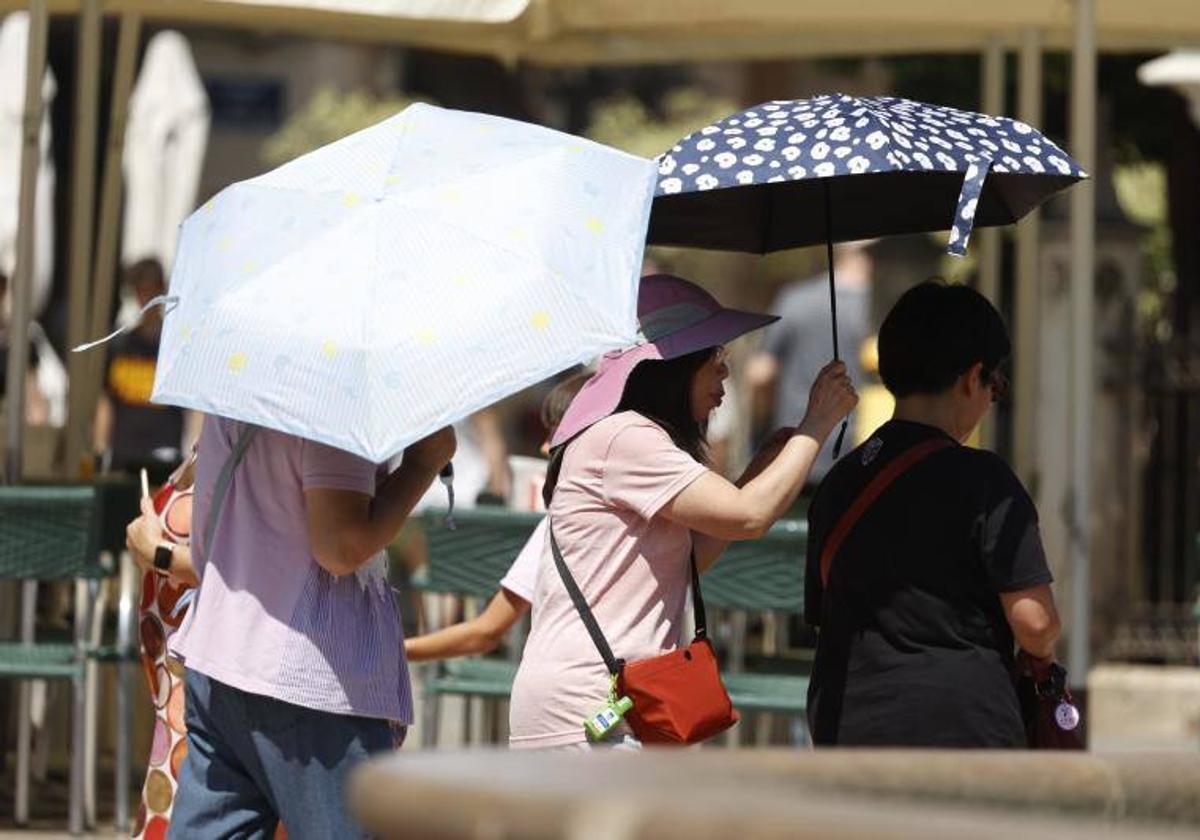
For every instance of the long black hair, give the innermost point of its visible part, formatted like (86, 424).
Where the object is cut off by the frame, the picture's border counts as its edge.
(661, 391)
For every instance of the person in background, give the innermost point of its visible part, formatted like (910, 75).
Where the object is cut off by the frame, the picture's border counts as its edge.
(484, 633)
(130, 431)
(630, 499)
(782, 371)
(920, 598)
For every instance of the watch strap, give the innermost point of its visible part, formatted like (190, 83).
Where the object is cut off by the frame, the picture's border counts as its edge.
(163, 555)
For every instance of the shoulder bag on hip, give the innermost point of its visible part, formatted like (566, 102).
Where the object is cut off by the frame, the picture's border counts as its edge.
(678, 697)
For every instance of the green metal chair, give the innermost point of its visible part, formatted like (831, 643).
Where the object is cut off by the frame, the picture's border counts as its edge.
(763, 576)
(118, 497)
(469, 562)
(50, 533)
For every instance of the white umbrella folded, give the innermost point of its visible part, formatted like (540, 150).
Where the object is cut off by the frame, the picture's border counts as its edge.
(14, 41)
(164, 149)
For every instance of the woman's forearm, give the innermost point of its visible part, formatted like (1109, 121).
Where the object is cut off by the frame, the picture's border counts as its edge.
(773, 491)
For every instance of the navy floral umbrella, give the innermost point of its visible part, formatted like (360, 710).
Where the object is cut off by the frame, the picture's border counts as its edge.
(760, 180)
(836, 168)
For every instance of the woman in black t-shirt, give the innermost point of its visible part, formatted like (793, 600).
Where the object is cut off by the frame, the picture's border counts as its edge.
(923, 599)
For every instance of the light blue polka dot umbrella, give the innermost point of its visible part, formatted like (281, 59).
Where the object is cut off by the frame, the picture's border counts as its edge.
(390, 283)
(837, 168)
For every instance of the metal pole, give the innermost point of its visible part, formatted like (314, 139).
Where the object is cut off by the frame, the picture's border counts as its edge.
(18, 328)
(1026, 289)
(29, 590)
(991, 95)
(105, 268)
(1083, 259)
(126, 629)
(83, 213)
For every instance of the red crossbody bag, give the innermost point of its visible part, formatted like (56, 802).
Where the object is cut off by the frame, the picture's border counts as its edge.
(678, 697)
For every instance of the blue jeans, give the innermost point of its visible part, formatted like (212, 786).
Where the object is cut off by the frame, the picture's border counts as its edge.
(253, 761)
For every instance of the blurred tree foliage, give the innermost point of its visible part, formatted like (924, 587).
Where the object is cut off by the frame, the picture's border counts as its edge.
(625, 122)
(330, 115)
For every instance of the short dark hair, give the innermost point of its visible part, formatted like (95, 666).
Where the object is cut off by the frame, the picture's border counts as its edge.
(936, 332)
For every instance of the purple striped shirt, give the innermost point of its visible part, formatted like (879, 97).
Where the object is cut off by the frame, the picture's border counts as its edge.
(268, 619)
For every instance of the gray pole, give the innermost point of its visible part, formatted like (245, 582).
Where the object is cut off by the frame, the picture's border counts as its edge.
(991, 98)
(104, 266)
(1027, 290)
(1083, 273)
(83, 219)
(18, 328)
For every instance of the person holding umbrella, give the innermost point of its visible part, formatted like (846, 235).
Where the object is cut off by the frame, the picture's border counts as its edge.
(293, 647)
(630, 499)
(924, 558)
(327, 317)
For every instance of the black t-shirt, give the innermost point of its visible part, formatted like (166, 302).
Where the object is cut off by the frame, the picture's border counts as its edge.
(139, 426)
(914, 648)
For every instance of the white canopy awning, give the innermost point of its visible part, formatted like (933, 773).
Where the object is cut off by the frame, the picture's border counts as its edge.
(577, 32)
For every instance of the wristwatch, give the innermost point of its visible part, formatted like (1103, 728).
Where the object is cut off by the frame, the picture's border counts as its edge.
(163, 555)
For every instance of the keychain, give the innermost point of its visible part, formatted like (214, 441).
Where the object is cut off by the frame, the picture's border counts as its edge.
(604, 720)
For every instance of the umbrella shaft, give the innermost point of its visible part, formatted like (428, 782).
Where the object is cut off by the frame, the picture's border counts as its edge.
(829, 261)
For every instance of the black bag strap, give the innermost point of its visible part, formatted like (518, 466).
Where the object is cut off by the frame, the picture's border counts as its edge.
(222, 484)
(611, 662)
(882, 481)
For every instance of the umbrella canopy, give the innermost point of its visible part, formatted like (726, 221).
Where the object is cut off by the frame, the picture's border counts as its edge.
(836, 168)
(164, 149)
(381, 287)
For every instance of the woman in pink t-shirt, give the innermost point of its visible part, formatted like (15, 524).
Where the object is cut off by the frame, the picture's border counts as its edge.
(630, 499)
